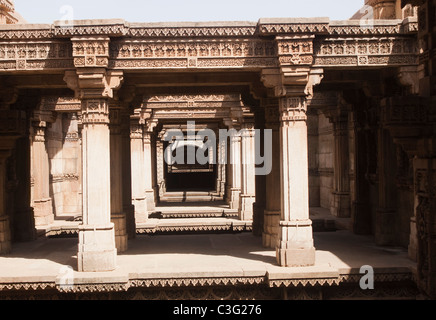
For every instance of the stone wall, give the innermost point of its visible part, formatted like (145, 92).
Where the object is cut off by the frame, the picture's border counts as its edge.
(325, 156)
(63, 148)
(320, 132)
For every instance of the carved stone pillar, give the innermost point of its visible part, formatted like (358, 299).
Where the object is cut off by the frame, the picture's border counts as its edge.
(128, 207)
(273, 202)
(137, 163)
(295, 247)
(118, 216)
(341, 195)
(42, 202)
(386, 215)
(148, 172)
(95, 85)
(221, 169)
(234, 187)
(248, 172)
(97, 250)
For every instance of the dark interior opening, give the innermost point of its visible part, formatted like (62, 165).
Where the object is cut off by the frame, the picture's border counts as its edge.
(190, 177)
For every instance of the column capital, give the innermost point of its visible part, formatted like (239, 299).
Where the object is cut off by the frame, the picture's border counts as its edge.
(136, 130)
(95, 111)
(292, 80)
(92, 83)
(292, 109)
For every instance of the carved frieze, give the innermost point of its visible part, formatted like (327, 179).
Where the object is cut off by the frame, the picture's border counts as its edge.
(35, 55)
(192, 101)
(366, 52)
(195, 54)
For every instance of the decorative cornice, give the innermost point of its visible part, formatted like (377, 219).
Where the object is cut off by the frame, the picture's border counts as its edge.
(120, 28)
(294, 26)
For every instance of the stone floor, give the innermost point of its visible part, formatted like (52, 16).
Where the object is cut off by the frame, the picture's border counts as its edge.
(183, 257)
(196, 260)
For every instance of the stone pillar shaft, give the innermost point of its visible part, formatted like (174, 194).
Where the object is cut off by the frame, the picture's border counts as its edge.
(235, 169)
(148, 172)
(138, 181)
(97, 250)
(118, 217)
(273, 200)
(248, 173)
(385, 227)
(295, 246)
(341, 194)
(42, 203)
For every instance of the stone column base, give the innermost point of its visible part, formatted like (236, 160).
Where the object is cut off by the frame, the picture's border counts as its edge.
(141, 213)
(234, 198)
(295, 246)
(296, 257)
(246, 207)
(121, 237)
(43, 212)
(150, 199)
(97, 252)
(341, 205)
(5, 235)
(271, 229)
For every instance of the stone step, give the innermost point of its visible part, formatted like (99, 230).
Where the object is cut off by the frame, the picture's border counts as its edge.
(191, 196)
(178, 214)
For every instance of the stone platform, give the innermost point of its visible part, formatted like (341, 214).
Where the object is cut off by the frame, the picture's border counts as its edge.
(185, 262)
